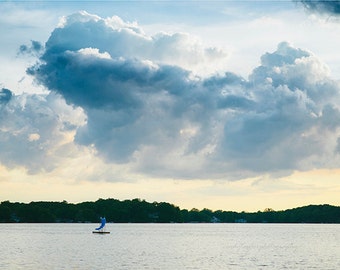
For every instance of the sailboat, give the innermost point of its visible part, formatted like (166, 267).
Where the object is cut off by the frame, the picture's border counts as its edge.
(101, 228)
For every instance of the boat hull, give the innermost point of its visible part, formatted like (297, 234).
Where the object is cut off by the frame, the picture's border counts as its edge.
(100, 232)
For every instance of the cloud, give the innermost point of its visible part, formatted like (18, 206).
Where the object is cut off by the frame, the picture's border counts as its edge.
(5, 95)
(35, 130)
(288, 127)
(34, 49)
(123, 39)
(147, 108)
(331, 7)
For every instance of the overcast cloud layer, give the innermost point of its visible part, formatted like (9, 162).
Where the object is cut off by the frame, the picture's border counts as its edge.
(146, 106)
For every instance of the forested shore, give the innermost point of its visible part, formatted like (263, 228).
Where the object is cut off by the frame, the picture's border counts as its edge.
(141, 211)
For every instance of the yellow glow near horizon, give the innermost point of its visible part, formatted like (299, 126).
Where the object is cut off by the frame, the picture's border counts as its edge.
(251, 195)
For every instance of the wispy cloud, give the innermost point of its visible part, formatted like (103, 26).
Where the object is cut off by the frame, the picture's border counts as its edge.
(34, 49)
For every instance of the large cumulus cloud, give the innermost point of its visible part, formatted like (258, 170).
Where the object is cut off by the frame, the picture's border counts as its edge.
(289, 126)
(146, 107)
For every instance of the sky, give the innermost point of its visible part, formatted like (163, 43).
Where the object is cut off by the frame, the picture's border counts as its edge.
(231, 105)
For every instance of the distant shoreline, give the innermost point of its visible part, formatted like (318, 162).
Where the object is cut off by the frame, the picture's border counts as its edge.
(141, 211)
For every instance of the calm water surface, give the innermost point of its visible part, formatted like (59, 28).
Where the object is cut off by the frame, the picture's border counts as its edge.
(170, 246)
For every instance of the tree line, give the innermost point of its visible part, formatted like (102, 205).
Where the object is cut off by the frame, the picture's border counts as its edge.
(141, 211)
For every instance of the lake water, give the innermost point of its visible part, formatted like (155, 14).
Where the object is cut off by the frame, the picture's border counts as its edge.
(170, 246)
